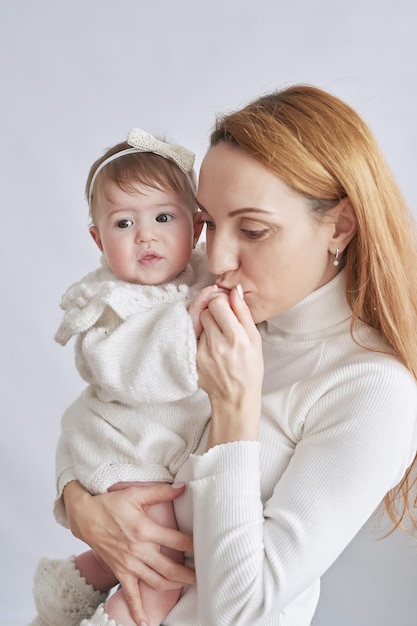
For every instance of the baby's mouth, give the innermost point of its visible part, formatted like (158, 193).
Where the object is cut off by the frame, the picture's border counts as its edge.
(149, 258)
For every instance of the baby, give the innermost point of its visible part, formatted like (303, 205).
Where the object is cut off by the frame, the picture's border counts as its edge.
(136, 319)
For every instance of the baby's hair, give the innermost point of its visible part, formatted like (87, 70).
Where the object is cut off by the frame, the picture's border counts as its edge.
(141, 168)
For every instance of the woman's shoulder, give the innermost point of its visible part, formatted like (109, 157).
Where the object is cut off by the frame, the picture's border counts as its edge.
(364, 351)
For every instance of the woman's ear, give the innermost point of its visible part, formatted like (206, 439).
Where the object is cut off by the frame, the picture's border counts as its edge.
(96, 236)
(344, 225)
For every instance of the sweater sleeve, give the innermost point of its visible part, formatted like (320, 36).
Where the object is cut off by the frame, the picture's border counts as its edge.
(258, 549)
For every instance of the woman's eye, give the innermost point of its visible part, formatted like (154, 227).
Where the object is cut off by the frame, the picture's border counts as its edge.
(164, 217)
(254, 234)
(124, 223)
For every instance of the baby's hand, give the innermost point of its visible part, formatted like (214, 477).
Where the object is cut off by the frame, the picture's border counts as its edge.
(200, 303)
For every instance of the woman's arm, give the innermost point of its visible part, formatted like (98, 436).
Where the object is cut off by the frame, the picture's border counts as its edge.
(271, 517)
(116, 526)
(268, 552)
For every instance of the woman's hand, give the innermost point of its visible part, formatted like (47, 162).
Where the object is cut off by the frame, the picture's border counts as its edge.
(116, 526)
(230, 367)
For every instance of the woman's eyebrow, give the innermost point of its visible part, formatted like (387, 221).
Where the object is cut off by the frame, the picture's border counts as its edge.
(248, 210)
(237, 211)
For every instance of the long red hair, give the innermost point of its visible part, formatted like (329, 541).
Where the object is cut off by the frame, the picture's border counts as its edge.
(320, 146)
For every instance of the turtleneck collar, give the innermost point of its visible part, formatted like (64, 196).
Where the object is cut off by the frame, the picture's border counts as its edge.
(323, 308)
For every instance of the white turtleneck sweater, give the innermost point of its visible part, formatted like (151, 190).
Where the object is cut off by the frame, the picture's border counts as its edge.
(269, 517)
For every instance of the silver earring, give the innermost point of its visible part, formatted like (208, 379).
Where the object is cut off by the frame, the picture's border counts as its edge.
(336, 258)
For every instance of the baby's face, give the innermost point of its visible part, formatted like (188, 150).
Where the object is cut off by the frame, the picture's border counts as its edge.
(146, 235)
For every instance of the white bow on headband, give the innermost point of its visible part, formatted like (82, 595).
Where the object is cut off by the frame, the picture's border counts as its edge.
(144, 142)
(141, 141)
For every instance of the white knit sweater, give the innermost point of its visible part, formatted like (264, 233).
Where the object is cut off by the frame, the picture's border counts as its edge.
(142, 413)
(338, 430)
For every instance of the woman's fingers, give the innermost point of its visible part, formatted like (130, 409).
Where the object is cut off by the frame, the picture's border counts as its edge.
(153, 579)
(168, 537)
(176, 575)
(220, 312)
(125, 537)
(160, 572)
(242, 312)
(230, 312)
(133, 598)
(149, 531)
(230, 368)
(227, 322)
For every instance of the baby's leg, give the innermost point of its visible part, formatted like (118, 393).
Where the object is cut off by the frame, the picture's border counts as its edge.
(115, 613)
(96, 572)
(156, 603)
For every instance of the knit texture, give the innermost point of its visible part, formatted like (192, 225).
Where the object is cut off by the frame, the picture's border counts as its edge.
(62, 596)
(100, 618)
(85, 301)
(145, 142)
(143, 412)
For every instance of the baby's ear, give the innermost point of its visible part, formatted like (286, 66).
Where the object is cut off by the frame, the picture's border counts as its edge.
(96, 236)
(198, 227)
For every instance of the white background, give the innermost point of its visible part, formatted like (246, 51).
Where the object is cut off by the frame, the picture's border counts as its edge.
(76, 75)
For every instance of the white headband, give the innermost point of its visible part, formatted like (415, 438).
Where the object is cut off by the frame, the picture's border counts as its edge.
(141, 141)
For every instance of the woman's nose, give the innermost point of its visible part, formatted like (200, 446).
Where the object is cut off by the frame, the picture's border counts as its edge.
(222, 256)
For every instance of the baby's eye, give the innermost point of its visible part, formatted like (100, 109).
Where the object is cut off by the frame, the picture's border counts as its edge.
(164, 217)
(124, 223)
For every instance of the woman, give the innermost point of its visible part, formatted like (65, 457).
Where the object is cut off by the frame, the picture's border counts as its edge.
(310, 365)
